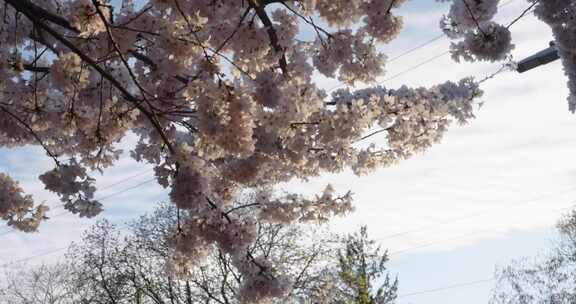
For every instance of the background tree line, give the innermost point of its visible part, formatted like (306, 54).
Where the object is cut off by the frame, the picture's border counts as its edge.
(547, 279)
(115, 265)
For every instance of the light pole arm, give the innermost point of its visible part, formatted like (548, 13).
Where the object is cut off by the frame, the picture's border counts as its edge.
(543, 57)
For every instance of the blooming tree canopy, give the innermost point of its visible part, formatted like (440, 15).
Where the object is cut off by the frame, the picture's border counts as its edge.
(222, 96)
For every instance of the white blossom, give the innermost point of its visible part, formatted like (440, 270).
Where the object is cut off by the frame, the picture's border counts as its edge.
(67, 73)
(18, 209)
(75, 188)
(260, 282)
(491, 43)
(85, 17)
(559, 15)
(468, 14)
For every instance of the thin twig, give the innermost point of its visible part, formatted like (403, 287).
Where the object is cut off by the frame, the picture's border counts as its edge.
(523, 14)
(372, 134)
(242, 207)
(127, 95)
(473, 17)
(31, 131)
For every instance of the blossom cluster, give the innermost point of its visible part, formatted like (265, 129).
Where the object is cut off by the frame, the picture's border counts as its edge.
(261, 283)
(296, 208)
(481, 38)
(75, 188)
(67, 73)
(559, 15)
(84, 16)
(18, 209)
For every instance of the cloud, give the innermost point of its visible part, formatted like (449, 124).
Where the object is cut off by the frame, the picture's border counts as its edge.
(125, 190)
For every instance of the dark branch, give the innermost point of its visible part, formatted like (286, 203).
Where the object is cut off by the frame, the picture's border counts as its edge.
(28, 8)
(22, 6)
(271, 34)
(36, 69)
(36, 136)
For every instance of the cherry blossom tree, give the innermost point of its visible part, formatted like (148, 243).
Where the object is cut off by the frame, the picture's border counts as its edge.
(223, 98)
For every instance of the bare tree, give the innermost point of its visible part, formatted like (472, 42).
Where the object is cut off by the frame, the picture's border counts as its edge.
(45, 284)
(549, 279)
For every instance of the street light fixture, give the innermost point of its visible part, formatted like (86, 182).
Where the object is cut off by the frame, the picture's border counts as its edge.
(543, 57)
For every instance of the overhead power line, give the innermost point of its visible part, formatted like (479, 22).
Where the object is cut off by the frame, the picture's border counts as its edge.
(412, 68)
(105, 197)
(410, 51)
(118, 183)
(458, 285)
(124, 180)
(420, 46)
(465, 235)
(452, 286)
(52, 251)
(33, 257)
(62, 213)
(448, 221)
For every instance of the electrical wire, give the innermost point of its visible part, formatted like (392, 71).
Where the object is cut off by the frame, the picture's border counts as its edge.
(453, 286)
(117, 183)
(516, 204)
(105, 197)
(98, 199)
(33, 257)
(124, 180)
(426, 61)
(60, 214)
(466, 235)
(414, 49)
(412, 68)
(456, 285)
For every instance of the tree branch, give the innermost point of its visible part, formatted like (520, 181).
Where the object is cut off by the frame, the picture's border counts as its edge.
(27, 7)
(22, 7)
(261, 12)
(36, 136)
(36, 69)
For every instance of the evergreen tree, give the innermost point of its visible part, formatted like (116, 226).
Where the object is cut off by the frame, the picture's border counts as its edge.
(361, 267)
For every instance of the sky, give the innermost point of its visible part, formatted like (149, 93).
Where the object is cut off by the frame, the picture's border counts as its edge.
(490, 192)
